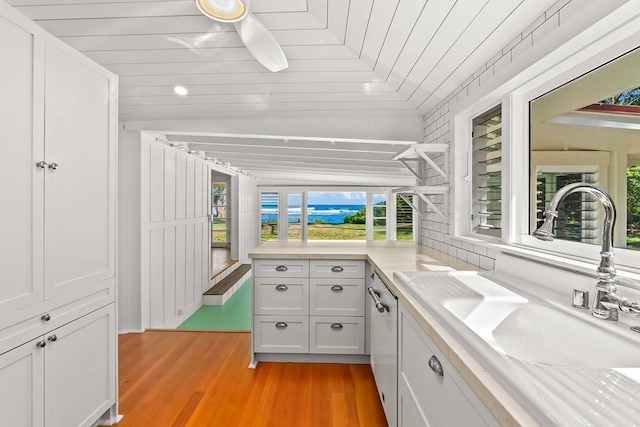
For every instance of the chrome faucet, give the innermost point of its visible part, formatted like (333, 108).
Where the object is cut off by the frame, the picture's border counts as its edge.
(607, 302)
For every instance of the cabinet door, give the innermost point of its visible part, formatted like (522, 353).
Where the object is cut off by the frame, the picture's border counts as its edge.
(21, 182)
(440, 400)
(22, 386)
(80, 373)
(80, 192)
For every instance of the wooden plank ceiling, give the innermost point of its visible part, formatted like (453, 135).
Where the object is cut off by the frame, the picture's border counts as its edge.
(364, 57)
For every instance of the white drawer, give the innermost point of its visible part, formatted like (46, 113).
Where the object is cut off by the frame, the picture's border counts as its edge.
(337, 297)
(336, 335)
(281, 268)
(281, 334)
(343, 269)
(288, 296)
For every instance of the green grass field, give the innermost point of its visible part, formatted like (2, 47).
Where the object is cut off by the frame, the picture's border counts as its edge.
(335, 232)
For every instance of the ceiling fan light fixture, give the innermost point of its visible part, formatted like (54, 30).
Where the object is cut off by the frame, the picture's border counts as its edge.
(223, 10)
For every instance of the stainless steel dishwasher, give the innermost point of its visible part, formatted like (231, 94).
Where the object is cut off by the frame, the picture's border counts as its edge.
(384, 345)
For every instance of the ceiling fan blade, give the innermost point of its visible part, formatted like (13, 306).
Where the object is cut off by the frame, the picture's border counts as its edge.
(261, 43)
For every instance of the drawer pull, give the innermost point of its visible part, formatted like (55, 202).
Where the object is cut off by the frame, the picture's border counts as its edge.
(436, 366)
(337, 269)
(336, 326)
(337, 288)
(41, 344)
(281, 268)
(281, 325)
(46, 317)
(282, 288)
(53, 338)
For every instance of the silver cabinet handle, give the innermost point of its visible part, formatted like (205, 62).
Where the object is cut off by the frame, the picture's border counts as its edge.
(46, 317)
(282, 288)
(372, 275)
(337, 269)
(337, 288)
(436, 366)
(336, 326)
(41, 164)
(41, 344)
(281, 325)
(52, 338)
(53, 166)
(380, 306)
(281, 268)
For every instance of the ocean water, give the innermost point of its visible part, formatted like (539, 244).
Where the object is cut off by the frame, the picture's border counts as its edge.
(331, 214)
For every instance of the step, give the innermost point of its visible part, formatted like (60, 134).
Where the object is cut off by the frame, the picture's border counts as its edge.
(225, 288)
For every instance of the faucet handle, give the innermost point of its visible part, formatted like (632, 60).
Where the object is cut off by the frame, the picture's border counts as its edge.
(580, 299)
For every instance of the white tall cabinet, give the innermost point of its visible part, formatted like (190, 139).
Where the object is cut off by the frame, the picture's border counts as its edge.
(57, 246)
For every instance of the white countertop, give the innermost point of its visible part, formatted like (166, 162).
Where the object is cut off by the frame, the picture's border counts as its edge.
(388, 257)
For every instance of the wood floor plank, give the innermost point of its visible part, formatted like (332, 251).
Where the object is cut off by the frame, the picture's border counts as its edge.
(197, 379)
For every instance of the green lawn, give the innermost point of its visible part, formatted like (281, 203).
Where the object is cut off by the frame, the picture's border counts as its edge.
(336, 232)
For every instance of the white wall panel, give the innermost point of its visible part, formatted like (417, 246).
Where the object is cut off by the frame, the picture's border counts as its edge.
(156, 183)
(198, 185)
(175, 262)
(156, 278)
(190, 179)
(169, 273)
(181, 266)
(190, 264)
(169, 185)
(181, 186)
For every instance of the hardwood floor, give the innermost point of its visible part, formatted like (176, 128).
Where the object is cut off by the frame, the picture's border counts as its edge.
(201, 379)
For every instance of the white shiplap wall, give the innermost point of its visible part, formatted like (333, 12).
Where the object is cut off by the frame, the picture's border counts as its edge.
(175, 233)
(557, 25)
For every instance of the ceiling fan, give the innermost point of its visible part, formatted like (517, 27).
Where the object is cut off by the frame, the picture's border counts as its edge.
(260, 42)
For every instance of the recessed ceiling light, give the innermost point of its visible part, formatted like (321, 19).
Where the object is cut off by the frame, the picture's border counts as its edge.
(180, 90)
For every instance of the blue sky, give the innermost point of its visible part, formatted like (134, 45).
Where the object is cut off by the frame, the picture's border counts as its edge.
(337, 198)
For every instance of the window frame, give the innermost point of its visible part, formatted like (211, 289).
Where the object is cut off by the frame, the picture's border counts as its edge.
(611, 37)
(283, 197)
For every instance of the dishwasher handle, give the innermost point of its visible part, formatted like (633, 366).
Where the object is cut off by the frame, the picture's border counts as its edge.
(380, 306)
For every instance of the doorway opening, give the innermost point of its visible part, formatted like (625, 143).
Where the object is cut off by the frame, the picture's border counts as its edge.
(221, 223)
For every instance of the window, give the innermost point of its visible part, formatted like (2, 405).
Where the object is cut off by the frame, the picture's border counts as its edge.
(269, 216)
(336, 215)
(486, 215)
(379, 216)
(294, 216)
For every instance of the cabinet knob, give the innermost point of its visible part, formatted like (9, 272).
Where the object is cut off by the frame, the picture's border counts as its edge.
(53, 166)
(436, 366)
(46, 317)
(282, 288)
(41, 344)
(281, 325)
(41, 164)
(53, 338)
(337, 288)
(337, 269)
(336, 326)
(281, 268)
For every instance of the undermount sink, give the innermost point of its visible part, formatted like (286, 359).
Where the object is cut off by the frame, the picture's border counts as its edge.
(542, 334)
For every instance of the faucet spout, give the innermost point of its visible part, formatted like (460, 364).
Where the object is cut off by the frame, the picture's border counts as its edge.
(606, 270)
(606, 303)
